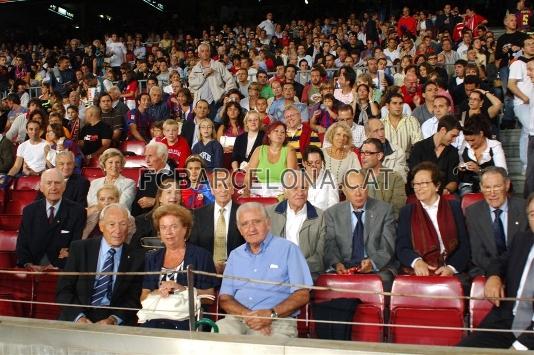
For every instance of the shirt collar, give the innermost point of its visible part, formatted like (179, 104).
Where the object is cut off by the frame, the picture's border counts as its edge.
(432, 206)
(300, 212)
(359, 210)
(503, 207)
(263, 245)
(56, 206)
(227, 207)
(104, 246)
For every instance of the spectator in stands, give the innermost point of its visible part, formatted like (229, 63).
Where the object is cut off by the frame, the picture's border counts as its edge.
(478, 101)
(512, 273)
(339, 156)
(360, 233)
(365, 106)
(95, 136)
(7, 150)
(279, 105)
(323, 190)
(117, 103)
(299, 134)
(307, 227)
(182, 105)
(215, 227)
(493, 223)
(112, 118)
(158, 109)
(424, 111)
(17, 130)
(57, 142)
(62, 78)
(146, 236)
(139, 119)
(431, 236)
(438, 149)
(407, 24)
(242, 81)
(74, 99)
(382, 183)
(74, 124)
(30, 154)
(312, 93)
(411, 91)
(116, 51)
(289, 75)
(209, 79)
(159, 167)
(105, 196)
(457, 80)
(346, 81)
(190, 128)
(247, 142)
(108, 253)
(232, 125)
(174, 224)
(15, 109)
(208, 147)
(177, 146)
(48, 226)
(269, 161)
(345, 114)
(275, 301)
(112, 162)
(401, 130)
(477, 152)
(441, 108)
(198, 193)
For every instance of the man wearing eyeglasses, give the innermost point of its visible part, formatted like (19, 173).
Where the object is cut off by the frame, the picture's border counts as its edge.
(493, 222)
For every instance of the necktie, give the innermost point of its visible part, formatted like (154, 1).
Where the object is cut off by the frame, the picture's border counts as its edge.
(524, 311)
(51, 215)
(357, 239)
(104, 283)
(498, 231)
(219, 245)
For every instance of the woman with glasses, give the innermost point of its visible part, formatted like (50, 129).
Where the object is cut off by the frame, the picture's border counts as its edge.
(476, 106)
(431, 235)
(323, 192)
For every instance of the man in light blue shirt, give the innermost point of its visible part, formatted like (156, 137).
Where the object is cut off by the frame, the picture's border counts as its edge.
(268, 258)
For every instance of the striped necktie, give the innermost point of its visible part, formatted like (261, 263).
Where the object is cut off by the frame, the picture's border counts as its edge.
(104, 283)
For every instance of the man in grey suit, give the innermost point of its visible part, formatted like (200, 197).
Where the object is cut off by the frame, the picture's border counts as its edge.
(361, 232)
(299, 221)
(493, 222)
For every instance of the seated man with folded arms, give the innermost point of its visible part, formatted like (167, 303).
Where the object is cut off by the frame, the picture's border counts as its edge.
(269, 258)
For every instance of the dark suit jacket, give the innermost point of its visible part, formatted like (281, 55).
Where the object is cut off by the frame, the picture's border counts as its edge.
(203, 230)
(404, 248)
(239, 153)
(76, 189)
(143, 228)
(188, 131)
(37, 238)
(510, 267)
(481, 239)
(79, 289)
(149, 183)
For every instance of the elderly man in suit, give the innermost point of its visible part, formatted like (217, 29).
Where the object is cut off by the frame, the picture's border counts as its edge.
(493, 222)
(299, 221)
(361, 232)
(49, 225)
(108, 253)
(214, 227)
(513, 272)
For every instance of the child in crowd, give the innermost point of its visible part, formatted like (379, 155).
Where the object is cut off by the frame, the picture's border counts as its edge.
(261, 107)
(74, 124)
(177, 145)
(156, 131)
(198, 193)
(325, 116)
(208, 147)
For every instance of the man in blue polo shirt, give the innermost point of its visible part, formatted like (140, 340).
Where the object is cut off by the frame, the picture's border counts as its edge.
(268, 258)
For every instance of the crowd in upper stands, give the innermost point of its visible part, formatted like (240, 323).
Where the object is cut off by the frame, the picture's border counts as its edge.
(400, 117)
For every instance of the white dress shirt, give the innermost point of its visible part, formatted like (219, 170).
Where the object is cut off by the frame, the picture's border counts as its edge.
(296, 218)
(216, 212)
(429, 127)
(324, 193)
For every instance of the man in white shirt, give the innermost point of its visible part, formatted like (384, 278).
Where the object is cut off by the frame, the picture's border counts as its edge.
(391, 52)
(299, 221)
(268, 25)
(30, 154)
(116, 52)
(529, 176)
(441, 108)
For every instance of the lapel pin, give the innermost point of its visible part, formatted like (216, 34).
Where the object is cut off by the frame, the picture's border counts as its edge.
(516, 222)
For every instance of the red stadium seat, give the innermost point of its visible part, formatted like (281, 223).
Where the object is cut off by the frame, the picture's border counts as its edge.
(18, 199)
(263, 200)
(426, 311)
(134, 147)
(10, 222)
(371, 310)
(8, 245)
(469, 199)
(135, 161)
(27, 183)
(45, 291)
(17, 286)
(92, 173)
(478, 309)
(3, 194)
(303, 326)
(93, 162)
(131, 173)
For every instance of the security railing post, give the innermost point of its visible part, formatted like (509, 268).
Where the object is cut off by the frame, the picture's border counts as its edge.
(191, 293)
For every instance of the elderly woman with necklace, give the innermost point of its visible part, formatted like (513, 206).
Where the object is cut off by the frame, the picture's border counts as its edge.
(339, 158)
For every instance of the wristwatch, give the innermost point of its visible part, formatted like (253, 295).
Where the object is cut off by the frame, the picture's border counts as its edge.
(273, 313)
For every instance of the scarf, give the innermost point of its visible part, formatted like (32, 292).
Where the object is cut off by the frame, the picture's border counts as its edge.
(425, 238)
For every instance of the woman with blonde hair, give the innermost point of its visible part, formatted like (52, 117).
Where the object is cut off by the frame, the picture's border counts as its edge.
(339, 157)
(247, 142)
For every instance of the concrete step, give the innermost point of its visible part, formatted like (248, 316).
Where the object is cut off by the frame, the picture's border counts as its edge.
(514, 165)
(518, 182)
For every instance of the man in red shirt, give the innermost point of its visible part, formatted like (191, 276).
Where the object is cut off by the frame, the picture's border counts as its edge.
(177, 145)
(407, 24)
(411, 91)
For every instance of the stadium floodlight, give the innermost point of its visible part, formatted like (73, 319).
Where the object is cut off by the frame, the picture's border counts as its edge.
(61, 11)
(156, 5)
(306, 2)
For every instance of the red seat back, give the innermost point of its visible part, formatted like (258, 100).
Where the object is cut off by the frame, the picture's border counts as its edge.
(426, 311)
(10, 222)
(92, 173)
(262, 200)
(135, 161)
(18, 199)
(27, 183)
(478, 309)
(132, 173)
(16, 287)
(133, 146)
(371, 310)
(8, 245)
(469, 199)
(45, 291)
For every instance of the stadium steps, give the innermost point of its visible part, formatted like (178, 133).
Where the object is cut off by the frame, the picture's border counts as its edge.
(510, 142)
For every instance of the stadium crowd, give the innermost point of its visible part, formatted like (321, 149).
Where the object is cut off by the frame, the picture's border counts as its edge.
(362, 134)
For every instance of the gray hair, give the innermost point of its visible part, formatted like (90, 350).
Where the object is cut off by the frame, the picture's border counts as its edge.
(248, 206)
(119, 206)
(65, 154)
(161, 149)
(154, 88)
(494, 170)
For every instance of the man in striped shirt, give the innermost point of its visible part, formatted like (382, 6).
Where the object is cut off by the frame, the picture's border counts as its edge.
(299, 135)
(401, 130)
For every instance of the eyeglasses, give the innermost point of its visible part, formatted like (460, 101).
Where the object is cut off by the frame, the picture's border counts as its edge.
(495, 188)
(421, 184)
(367, 153)
(172, 227)
(314, 163)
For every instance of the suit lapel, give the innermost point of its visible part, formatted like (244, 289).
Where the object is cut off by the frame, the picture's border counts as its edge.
(233, 232)
(345, 221)
(124, 266)
(210, 227)
(369, 220)
(486, 223)
(92, 250)
(513, 221)
(519, 262)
